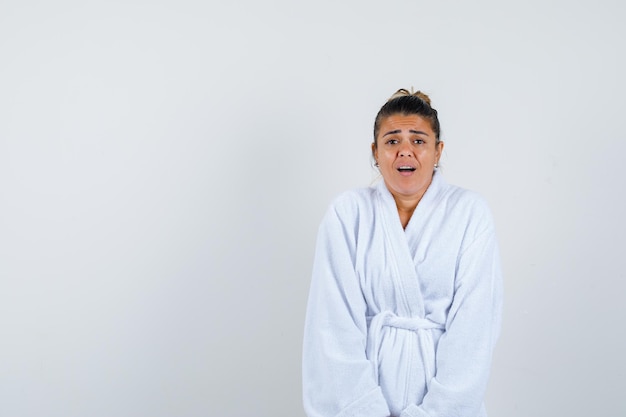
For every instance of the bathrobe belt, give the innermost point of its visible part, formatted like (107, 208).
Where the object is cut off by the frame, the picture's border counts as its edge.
(421, 326)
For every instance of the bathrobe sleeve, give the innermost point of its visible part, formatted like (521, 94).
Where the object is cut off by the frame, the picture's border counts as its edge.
(338, 379)
(464, 352)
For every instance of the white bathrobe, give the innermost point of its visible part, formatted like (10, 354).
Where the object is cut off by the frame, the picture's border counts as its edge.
(402, 322)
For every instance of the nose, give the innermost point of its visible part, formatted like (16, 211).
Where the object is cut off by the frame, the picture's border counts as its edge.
(406, 150)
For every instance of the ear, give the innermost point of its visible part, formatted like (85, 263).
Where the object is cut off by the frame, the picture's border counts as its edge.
(374, 151)
(439, 150)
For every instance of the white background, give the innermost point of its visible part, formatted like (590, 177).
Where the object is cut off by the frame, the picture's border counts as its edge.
(164, 166)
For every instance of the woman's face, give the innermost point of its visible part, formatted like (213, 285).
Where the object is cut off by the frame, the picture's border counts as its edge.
(406, 154)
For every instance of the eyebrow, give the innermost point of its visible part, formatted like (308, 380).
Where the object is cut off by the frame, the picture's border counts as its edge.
(417, 132)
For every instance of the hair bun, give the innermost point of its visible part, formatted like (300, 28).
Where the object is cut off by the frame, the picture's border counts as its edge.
(423, 96)
(404, 92)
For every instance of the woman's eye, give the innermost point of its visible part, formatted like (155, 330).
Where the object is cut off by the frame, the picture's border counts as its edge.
(418, 141)
(392, 141)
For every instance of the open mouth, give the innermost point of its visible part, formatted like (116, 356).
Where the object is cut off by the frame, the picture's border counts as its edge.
(406, 169)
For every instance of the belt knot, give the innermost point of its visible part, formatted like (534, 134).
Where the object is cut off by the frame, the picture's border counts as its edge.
(414, 324)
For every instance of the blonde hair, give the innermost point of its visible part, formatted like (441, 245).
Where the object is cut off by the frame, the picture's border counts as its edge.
(404, 92)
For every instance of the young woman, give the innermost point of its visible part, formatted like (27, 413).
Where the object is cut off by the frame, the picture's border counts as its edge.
(405, 301)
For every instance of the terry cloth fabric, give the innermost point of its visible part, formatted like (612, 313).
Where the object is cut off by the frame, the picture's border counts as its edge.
(402, 322)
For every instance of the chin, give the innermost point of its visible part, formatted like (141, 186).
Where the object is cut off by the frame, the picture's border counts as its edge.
(408, 190)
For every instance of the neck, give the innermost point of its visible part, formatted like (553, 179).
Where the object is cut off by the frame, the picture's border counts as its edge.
(406, 206)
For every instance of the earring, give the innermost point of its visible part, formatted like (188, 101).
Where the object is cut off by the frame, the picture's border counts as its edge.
(436, 166)
(376, 164)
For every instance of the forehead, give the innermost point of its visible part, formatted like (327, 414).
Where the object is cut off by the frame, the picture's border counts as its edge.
(405, 123)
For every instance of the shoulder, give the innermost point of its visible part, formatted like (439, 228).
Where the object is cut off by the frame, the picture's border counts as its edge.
(467, 198)
(454, 197)
(353, 200)
(467, 206)
(350, 208)
(344, 215)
